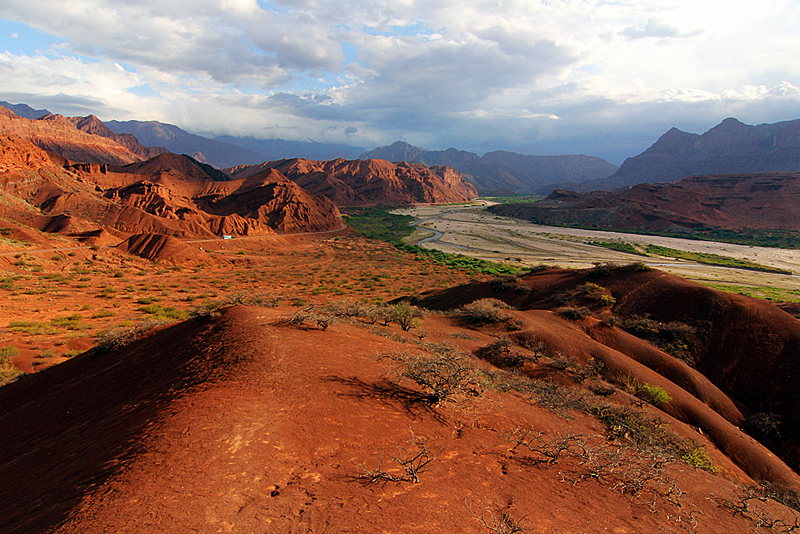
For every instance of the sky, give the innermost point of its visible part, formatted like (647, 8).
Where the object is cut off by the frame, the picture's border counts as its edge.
(603, 78)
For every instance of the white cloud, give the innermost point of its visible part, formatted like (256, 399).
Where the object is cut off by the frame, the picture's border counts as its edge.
(445, 72)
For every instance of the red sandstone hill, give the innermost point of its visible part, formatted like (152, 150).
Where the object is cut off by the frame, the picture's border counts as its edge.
(242, 424)
(169, 195)
(95, 126)
(743, 350)
(768, 201)
(359, 183)
(58, 135)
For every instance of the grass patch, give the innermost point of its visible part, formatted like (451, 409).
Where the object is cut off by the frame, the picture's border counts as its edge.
(712, 259)
(168, 313)
(618, 246)
(759, 292)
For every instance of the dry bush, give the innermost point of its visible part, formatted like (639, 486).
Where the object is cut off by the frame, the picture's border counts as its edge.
(410, 462)
(501, 354)
(575, 313)
(441, 371)
(499, 520)
(120, 336)
(751, 503)
(484, 311)
(628, 471)
(308, 315)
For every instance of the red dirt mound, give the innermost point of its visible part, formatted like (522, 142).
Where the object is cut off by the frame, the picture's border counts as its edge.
(156, 247)
(745, 349)
(358, 183)
(236, 424)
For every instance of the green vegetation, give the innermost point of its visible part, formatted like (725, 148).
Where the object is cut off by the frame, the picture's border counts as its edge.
(712, 259)
(619, 246)
(521, 199)
(381, 224)
(168, 313)
(461, 262)
(70, 322)
(655, 395)
(759, 292)
(748, 236)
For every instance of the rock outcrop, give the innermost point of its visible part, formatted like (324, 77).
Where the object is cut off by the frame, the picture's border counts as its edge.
(58, 135)
(359, 182)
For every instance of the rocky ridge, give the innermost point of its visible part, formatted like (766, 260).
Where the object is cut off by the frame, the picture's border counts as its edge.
(367, 182)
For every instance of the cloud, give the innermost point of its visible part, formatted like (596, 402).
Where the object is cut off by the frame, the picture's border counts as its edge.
(660, 29)
(478, 75)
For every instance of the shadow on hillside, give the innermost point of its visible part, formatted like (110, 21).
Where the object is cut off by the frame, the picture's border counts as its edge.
(413, 402)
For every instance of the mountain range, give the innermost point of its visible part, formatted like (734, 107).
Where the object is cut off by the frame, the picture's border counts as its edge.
(502, 172)
(731, 147)
(76, 177)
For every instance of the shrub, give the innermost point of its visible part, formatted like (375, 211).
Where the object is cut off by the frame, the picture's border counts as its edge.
(674, 338)
(654, 394)
(764, 426)
(574, 312)
(8, 371)
(9, 352)
(484, 311)
(499, 352)
(504, 283)
(603, 269)
(442, 372)
(124, 334)
(308, 315)
(406, 315)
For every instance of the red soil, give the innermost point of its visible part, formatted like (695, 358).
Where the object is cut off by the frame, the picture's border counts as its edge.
(745, 351)
(234, 424)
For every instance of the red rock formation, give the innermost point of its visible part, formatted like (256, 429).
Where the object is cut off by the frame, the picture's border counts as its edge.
(170, 195)
(365, 182)
(765, 201)
(58, 135)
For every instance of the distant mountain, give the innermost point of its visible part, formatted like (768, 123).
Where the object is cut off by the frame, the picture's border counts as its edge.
(95, 126)
(369, 182)
(731, 147)
(274, 149)
(217, 153)
(759, 201)
(503, 172)
(24, 110)
(228, 151)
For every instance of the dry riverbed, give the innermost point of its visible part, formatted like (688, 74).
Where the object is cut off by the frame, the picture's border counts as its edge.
(474, 232)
